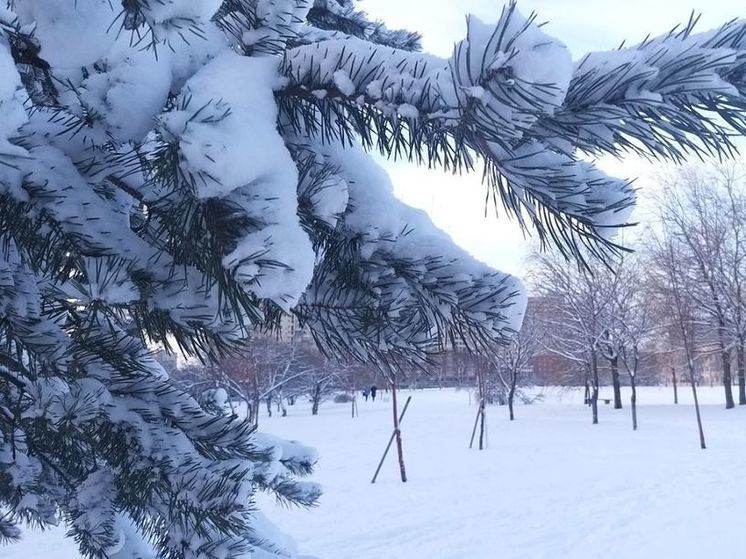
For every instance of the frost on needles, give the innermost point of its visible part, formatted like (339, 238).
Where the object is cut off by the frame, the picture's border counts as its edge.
(180, 172)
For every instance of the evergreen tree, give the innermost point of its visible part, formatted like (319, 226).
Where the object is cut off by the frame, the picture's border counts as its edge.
(179, 172)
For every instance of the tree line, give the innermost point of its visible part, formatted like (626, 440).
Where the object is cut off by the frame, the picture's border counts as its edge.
(676, 295)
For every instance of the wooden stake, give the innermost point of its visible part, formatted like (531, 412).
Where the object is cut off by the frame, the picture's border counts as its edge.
(397, 432)
(391, 440)
(482, 428)
(474, 430)
(481, 411)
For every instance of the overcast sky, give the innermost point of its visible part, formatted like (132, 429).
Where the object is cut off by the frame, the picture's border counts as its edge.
(456, 204)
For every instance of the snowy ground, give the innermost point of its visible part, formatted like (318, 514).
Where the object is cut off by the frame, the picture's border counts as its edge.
(550, 485)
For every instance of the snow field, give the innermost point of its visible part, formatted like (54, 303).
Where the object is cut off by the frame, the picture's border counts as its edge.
(550, 484)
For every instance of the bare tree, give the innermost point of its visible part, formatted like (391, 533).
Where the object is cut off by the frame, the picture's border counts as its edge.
(617, 289)
(319, 382)
(697, 209)
(632, 321)
(212, 385)
(270, 370)
(674, 287)
(579, 310)
(732, 208)
(514, 358)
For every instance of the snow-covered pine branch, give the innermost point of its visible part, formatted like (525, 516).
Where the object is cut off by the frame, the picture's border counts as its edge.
(668, 97)
(391, 291)
(340, 17)
(179, 172)
(94, 433)
(511, 97)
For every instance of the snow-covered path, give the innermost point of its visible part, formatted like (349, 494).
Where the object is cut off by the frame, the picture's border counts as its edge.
(550, 485)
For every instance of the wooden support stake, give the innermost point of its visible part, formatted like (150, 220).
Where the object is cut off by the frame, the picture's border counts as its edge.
(476, 422)
(397, 432)
(391, 440)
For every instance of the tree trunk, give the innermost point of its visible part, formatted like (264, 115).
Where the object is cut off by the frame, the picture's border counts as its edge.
(675, 386)
(587, 394)
(511, 395)
(727, 377)
(269, 405)
(741, 366)
(255, 403)
(696, 404)
(397, 433)
(633, 401)
(594, 393)
(482, 426)
(316, 399)
(614, 363)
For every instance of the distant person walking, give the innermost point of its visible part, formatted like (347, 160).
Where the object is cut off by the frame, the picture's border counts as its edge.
(365, 395)
(373, 390)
